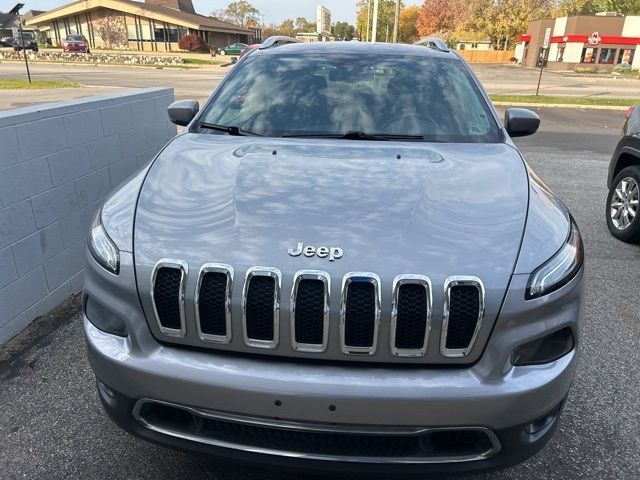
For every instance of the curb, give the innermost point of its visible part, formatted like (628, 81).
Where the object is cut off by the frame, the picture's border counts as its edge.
(562, 105)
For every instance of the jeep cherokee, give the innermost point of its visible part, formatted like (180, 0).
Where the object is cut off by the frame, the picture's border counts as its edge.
(342, 264)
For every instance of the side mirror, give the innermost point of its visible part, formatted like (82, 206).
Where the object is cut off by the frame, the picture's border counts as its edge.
(183, 111)
(520, 122)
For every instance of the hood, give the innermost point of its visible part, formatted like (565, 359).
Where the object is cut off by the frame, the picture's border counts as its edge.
(432, 209)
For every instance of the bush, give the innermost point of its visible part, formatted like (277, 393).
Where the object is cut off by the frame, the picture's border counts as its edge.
(586, 70)
(193, 43)
(623, 68)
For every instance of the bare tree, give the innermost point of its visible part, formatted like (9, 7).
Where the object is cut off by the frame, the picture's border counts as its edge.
(111, 28)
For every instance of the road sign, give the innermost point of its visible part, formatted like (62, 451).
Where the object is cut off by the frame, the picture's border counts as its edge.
(547, 37)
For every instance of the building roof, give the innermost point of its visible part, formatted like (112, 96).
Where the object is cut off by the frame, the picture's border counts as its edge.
(157, 12)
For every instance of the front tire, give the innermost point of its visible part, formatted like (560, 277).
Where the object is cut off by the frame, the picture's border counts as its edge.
(222, 52)
(622, 208)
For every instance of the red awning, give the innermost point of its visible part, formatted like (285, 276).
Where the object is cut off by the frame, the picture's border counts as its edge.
(524, 38)
(605, 39)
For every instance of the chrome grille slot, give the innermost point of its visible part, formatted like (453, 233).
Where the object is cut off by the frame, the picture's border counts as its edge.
(410, 315)
(167, 296)
(261, 307)
(463, 312)
(360, 313)
(213, 303)
(309, 307)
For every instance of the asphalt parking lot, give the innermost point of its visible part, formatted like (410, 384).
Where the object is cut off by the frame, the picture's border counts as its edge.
(198, 83)
(52, 426)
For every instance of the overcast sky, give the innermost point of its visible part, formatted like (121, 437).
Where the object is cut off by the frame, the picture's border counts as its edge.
(274, 10)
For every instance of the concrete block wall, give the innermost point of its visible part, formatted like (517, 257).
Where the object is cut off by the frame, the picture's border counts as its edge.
(57, 164)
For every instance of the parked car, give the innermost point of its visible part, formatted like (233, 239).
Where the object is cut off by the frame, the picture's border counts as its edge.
(76, 43)
(6, 41)
(624, 182)
(233, 49)
(27, 42)
(250, 48)
(342, 264)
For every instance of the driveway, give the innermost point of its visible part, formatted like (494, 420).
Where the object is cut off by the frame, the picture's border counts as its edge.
(52, 425)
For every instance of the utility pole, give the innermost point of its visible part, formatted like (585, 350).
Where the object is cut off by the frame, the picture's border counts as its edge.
(374, 28)
(16, 11)
(396, 21)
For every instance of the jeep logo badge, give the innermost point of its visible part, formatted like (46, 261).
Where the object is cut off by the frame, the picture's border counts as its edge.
(323, 252)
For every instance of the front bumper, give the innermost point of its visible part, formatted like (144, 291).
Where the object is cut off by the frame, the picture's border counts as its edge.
(491, 394)
(512, 445)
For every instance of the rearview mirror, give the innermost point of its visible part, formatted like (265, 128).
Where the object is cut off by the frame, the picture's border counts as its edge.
(183, 111)
(520, 122)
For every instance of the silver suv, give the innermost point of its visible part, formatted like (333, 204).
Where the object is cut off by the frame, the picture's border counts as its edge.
(342, 264)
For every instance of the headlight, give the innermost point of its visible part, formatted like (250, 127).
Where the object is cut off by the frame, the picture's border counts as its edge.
(560, 268)
(101, 247)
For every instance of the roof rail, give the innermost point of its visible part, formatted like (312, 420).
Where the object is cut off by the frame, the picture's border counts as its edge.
(277, 40)
(433, 42)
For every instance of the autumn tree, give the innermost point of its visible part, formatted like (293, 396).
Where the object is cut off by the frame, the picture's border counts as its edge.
(438, 16)
(270, 31)
(408, 24)
(501, 21)
(239, 13)
(386, 18)
(111, 28)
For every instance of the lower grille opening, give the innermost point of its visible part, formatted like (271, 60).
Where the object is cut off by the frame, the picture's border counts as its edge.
(259, 308)
(423, 445)
(360, 314)
(463, 315)
(166, 296)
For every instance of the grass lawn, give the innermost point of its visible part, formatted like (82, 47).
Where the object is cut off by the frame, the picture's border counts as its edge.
(23, 84)
(202, 61)
(547, 99)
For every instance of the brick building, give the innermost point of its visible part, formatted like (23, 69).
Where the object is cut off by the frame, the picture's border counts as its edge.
(155, 25)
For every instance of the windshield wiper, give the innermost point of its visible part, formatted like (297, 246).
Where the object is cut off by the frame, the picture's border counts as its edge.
(357, 136)
(230, 129)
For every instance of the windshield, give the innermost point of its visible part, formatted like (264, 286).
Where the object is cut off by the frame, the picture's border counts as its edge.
(416, 97)
(75, 38)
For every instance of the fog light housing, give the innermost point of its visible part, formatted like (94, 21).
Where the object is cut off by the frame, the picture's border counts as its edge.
(104, 319)
(544, 350)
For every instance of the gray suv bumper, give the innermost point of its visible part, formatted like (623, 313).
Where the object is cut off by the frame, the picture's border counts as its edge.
(519, 406)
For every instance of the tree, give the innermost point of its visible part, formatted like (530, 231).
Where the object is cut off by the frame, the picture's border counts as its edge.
(408, 28)
(270, 31)
(193, 43)
(304, 26)
(501, 21)
(438, 16)
(287, 28)
(239, 12)
(343, 31)
(111, 28)
(624, 7)
(386, 19)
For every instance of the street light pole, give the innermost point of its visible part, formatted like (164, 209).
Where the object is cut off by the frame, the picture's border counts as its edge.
(16, 11)
(368, 19)
(374, 28)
